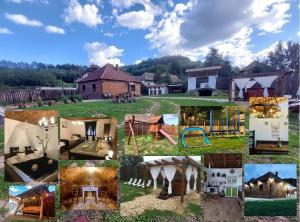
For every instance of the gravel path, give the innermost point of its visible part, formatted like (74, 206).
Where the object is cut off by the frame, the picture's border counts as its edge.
(150, 202)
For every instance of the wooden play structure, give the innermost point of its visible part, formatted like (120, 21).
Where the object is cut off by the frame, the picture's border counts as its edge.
(177, 173)
(154, 127)
(37, 202)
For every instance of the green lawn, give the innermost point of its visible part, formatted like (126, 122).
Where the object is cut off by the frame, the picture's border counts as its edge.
(149, 146)
(129, 193)
(271, 208)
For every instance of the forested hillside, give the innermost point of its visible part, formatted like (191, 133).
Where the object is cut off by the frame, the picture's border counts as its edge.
(284, 57)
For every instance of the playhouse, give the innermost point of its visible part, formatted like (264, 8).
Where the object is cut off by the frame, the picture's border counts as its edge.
(153, 127)
(268, 125)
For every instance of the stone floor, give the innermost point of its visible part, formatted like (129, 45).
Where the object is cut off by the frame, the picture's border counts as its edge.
(151, 202)
(90, 204)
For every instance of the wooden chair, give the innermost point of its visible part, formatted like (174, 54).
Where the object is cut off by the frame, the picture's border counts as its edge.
(75, 193)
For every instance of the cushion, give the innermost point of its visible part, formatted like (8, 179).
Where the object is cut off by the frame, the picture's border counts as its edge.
(14, 150)
(28, 150)
(21, 157)
(75, 137)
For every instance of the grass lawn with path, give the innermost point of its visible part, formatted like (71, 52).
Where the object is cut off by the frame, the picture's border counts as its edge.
(271, 208)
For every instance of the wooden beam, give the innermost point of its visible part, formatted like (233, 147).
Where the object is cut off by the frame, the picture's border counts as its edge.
(193, 162)
(182, 182)
(158, 162)
(210, 160)
(19, 206)
(42, 207)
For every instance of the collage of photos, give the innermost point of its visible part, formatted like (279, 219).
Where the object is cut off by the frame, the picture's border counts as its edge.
(149, 111)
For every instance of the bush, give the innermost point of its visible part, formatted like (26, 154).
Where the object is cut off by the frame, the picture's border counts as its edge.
(39, 103)
(77, 97)
(65, 99)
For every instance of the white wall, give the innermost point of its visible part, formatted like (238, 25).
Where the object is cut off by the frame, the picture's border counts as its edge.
(22, 134)
(216, 180)
(191, 83)
(164, 90)
(263, 128)
(212, 81)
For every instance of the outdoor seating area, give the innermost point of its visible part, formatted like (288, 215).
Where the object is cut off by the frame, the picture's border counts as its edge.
(268, 125)
(34, 202)
(123, 98)
(223, 185)
(138, 182)
(88, 188)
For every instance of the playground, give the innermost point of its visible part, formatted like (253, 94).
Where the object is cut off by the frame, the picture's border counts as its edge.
(212, 128)
(148, 134)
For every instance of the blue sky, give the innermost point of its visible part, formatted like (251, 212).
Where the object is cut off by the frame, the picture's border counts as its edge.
(128, 31)
(18, 189)
(256, 170)
(171, 119)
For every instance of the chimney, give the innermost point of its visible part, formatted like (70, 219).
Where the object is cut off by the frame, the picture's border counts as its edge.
(276, 173)
(117, 66)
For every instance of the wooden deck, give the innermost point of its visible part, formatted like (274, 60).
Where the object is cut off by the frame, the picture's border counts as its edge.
(271, 148)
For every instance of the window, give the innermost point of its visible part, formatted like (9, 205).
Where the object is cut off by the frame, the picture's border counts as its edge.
(83, 87)
(261, 186)
(201, 80)
(94, 87)
(231, 179)
(159, 91)
(132, 87)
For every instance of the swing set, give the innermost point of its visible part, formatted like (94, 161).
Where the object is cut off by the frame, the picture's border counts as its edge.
(218, 130)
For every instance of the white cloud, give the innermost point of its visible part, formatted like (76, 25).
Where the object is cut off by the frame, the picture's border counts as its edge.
(87, 14)
(270, 16)
(298, 33)
(136, 19)
(31, 1)
(108, 34)
(54, 29)
(141, 19)
(4, 30)
(23, 20)
(191, 28)
(100, 53)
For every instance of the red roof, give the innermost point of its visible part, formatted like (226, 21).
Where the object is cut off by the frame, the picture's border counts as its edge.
(107, 72)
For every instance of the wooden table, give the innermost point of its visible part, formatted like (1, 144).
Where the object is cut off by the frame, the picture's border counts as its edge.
(90, 189)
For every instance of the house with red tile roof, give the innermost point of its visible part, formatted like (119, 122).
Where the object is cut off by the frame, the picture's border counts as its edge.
(97, 82)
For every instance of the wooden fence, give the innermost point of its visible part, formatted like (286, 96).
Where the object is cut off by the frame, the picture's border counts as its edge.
(32, 95)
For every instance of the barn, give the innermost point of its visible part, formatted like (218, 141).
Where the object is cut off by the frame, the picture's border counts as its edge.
(203, 79)
(100, 82)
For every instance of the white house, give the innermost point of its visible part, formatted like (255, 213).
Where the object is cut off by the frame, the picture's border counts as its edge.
(201, 78)
(158, 89)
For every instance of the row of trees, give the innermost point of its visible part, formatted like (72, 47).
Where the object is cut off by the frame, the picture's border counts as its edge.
(285, 57)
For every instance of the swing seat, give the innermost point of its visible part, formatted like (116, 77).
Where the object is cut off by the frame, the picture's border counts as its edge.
(204, 141)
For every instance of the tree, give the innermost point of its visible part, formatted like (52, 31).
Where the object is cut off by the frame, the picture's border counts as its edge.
(285, 58)
(214, 58)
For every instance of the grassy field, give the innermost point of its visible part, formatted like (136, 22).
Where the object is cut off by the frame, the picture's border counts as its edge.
(271, 208)
(129, 193)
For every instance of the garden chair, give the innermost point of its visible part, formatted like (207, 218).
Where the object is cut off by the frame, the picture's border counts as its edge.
(133, 182)
(148, 184)
(130, 180)
(138, 182)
